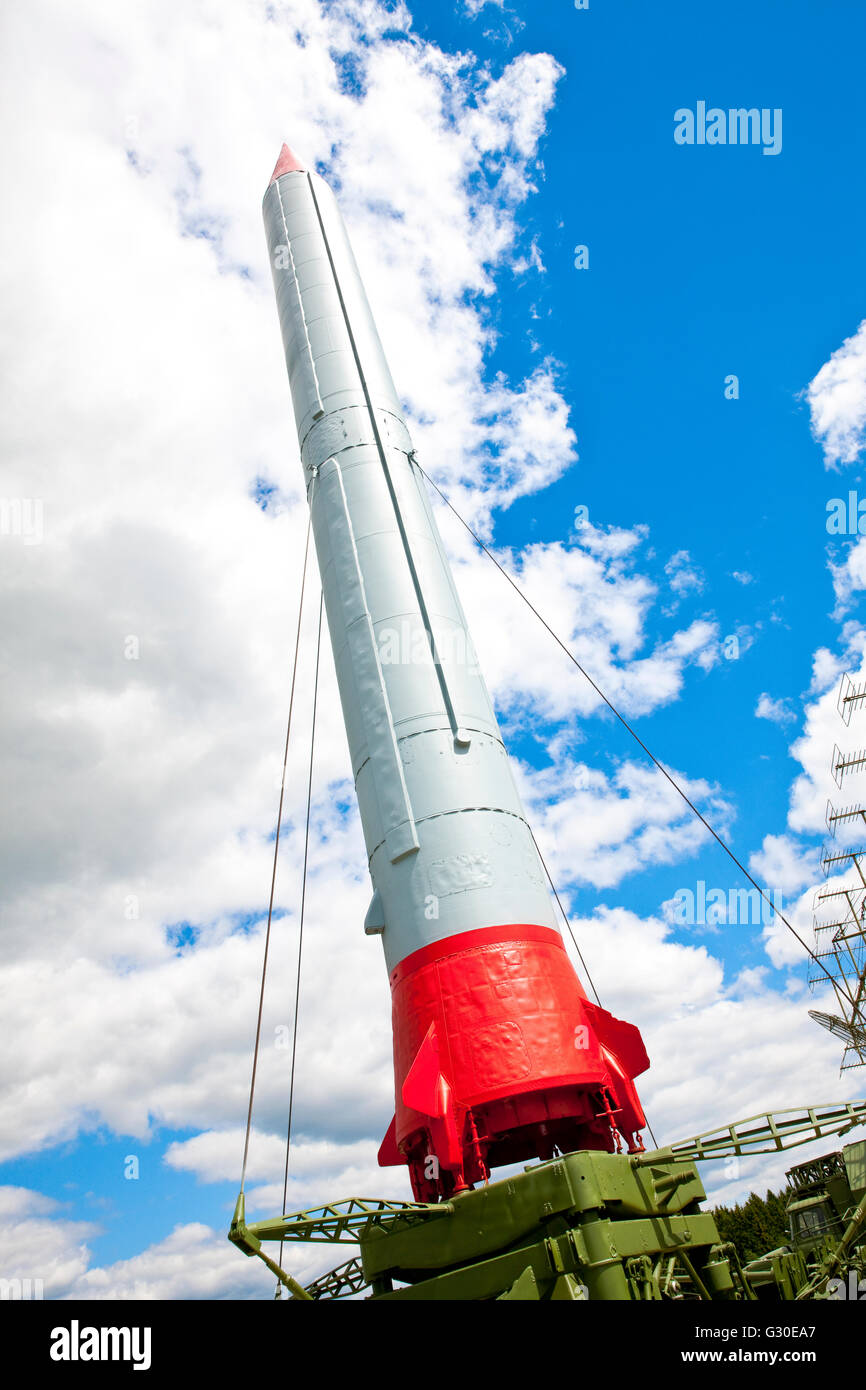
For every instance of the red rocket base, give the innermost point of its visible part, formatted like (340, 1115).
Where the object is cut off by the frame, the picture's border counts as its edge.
(500, 1057)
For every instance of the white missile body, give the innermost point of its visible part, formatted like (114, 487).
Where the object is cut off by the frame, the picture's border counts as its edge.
(448, 842)
(498, 1054)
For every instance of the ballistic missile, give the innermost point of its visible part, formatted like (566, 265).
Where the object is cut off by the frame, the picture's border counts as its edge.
(499, 1056)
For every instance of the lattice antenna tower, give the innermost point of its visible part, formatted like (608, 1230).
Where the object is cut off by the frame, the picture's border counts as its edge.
(840, 910)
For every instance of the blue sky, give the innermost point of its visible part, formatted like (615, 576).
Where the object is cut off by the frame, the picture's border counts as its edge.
(168, 468)
(703, 262)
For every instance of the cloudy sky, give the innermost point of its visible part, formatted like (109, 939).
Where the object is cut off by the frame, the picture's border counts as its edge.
(652, 443)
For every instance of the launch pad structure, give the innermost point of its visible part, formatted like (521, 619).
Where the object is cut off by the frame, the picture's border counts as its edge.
(584, 1226)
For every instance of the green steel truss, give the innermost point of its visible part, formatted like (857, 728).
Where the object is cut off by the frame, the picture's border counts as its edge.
(344, 1281)
(761, 1134)
(343, 1221)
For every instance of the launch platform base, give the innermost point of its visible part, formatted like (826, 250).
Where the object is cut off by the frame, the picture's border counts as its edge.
(584, 1226)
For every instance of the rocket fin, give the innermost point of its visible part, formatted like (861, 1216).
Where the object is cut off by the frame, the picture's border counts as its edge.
(389, 1155)
(423, 1088)
(374, 922)
(426, 1091)
(621, 1038)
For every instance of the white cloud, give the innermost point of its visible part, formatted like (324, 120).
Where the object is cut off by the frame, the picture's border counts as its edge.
(196, 1262)
(777, 711)
(320, 1170)
(146, 788)
(783, 865)
(144, 396)
(684, 576)
(823, 730)
(849, 576)
(827, 667)
(192, 1262)
(598, 603)
(38, 1241)
(783, 862)
(837, 401)
(597, 829)
(168, 1042)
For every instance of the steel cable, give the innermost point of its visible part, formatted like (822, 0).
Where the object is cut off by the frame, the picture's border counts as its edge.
(302, 912)
(639, 741)
(276, 854)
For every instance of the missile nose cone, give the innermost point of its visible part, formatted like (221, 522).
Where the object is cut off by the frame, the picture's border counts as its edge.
(288, 163)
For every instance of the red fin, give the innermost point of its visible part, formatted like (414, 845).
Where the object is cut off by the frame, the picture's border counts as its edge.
(389, 1155)
(423, 1090)
(621, 1038)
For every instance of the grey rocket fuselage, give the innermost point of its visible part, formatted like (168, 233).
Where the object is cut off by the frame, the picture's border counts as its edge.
(448, 843)
(498, 1054)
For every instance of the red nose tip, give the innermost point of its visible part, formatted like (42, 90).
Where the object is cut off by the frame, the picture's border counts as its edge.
(288, 163)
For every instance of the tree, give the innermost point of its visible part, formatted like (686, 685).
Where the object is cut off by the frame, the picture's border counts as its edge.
(756, 1227)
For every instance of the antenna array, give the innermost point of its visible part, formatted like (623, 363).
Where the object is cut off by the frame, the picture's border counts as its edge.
(839, 915)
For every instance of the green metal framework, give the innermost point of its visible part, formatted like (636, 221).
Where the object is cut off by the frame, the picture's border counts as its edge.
(771, 1133)
(586, 1225)
(344, 1281)
(336, 1221)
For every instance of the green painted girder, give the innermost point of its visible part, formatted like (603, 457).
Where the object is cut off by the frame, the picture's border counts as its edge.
(769, 1133)
(345, 1220)
(342, 1282)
